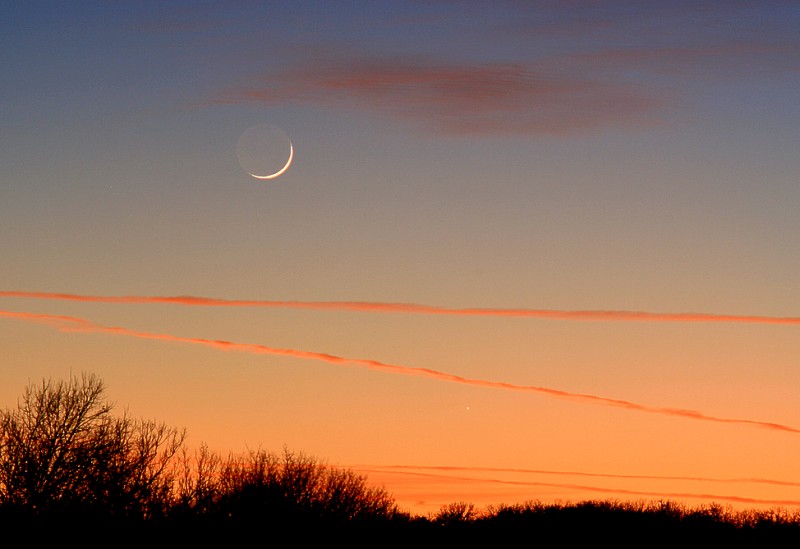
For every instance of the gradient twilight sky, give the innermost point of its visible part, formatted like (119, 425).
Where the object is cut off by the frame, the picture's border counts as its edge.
(570, 156)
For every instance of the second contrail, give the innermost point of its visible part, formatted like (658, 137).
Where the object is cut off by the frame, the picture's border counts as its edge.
(70, 323)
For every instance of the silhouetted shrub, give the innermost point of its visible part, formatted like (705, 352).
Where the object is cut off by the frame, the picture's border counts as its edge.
(455, 513)
(282, 491)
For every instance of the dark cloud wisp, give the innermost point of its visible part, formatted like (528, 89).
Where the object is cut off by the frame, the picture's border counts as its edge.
(491, 98)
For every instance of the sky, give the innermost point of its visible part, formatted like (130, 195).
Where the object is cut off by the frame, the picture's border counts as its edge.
(535, 251)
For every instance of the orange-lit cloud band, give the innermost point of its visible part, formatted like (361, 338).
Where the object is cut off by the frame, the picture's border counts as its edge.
(603, 490)
(459, 469)
(377, 307)
(68, 323)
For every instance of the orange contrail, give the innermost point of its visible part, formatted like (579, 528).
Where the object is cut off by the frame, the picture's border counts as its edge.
(604, 490)
(449, 468)
(68, 323)
(379, 307)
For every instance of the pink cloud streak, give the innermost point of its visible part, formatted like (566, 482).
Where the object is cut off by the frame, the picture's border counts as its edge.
(494, 98)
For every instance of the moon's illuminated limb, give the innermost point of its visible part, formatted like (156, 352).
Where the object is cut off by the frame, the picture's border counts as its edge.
(282, 170)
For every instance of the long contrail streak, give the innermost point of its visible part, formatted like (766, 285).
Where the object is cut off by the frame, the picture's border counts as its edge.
(604, 490)
(412, 308)
(449, 469)
(69, 323)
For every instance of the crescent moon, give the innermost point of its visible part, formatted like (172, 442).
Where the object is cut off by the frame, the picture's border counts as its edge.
(282, 170)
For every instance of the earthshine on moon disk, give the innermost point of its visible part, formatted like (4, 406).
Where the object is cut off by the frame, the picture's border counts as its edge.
(264, 151)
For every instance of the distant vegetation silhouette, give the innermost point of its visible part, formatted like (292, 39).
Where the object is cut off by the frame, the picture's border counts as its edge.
(69, 467)
(62, 451)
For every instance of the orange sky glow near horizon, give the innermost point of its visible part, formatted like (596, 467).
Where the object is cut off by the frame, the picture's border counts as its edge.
(463, 479)
(533, 252)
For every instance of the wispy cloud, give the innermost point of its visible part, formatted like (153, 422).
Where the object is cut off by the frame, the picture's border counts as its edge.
(457, 98)
(413, 308)
(729, 59)
(596, 489)
(68, 323)
(447, 469)
(541, 75)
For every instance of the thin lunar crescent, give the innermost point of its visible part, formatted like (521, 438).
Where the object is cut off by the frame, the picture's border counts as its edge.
(282, 170)
(261, 151)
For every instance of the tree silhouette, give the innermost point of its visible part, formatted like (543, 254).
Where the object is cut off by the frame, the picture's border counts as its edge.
(62, 451)
(290, 488)
(67, 463)
(458, 512)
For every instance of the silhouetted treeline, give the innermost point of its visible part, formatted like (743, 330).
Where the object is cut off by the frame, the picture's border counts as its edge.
(640, 523)
(71, 469)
